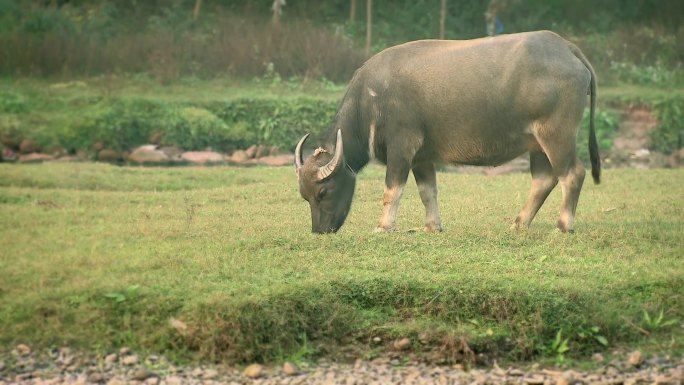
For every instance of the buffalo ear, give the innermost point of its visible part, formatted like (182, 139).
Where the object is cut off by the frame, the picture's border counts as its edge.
(329, 169)
(298, 154)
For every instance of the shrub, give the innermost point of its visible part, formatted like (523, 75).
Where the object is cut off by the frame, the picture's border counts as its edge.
(123, 124)
(669, 134)
(195, 128)
(606, 124)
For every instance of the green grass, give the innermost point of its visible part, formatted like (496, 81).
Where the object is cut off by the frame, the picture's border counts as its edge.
(98, 256)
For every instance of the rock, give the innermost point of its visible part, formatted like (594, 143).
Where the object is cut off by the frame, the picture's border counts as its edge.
(402, 344)
(95, 377)
(251, 151)
(277, 160)
(173, 380)
(58, 152)
(210, 374)
(8, 154)
(125, 350)
(635, 358)
(597, 357)
(108, 155)
(116, 381)
(261, 151)
(377, 340)
(202, 157)
(23, 350)
(28, 146)
(534, 380)
(142, 374)
(562, 381)
(111, 358)
(152, 381)
(35, 157)
(253, 371)
(239, 156)
(290, 369)
(173, 152)
(130, 360)
(148, 154)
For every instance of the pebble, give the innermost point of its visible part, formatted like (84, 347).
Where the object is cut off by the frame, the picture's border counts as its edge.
(210, 374)
(23, 350)
(95, 377)
(130, 360)
(402, 344)
(47, 369)
(111, 358)
(290, 369)
(141, 374)
(635, 358)
(173, 380)
(254, 371)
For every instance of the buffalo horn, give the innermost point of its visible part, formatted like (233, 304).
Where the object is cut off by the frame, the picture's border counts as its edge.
(298, 153)
(326, 171)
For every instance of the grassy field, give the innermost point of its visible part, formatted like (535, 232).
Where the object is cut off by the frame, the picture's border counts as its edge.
(99, 256)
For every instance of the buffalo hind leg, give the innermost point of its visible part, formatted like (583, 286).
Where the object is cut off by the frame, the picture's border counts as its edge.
(571, 185)
(543, 181)
(426, 179)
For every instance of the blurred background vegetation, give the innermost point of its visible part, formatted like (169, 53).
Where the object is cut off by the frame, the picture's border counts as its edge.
(226, 73)
(638, 41)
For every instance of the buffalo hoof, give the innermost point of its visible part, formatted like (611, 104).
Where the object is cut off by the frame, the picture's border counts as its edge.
(433, 228)
(564, 228)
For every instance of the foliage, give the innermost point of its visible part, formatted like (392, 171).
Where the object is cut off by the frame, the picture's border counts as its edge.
(669, 135)
(645, 75)
(639, 40)
(658, 322)
(251, 283)
(606, 125)
(124, 124)
(559, 346)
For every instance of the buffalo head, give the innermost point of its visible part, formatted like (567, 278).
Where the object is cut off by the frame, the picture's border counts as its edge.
(327, 183)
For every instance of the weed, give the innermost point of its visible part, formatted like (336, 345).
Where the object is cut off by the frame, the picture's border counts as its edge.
(657, 323)
(558, 347)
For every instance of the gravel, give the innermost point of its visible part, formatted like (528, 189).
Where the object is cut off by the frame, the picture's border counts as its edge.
(64, 366)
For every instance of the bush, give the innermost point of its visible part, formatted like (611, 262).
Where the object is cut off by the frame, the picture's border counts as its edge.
(606, 125)
(669, 134)
(125, 124)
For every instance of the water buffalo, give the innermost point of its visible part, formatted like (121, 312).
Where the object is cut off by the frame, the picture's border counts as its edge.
(475, 102)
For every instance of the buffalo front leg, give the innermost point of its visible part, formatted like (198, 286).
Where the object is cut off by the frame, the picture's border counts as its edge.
(395, 181)
(543, 181)
(426, 179)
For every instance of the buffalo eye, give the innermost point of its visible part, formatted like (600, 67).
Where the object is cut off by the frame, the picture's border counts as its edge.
(321, 193)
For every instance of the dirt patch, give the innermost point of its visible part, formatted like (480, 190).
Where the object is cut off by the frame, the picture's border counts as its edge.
(631, 145)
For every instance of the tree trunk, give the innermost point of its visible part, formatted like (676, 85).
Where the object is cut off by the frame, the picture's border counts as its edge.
(276, 13)
(352, 11)
(196, 10)
(369, 32)
(442, 18)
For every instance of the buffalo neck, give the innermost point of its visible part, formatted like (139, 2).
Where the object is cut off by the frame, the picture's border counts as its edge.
(355, 142)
